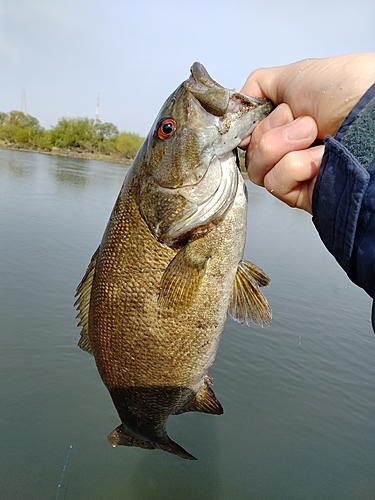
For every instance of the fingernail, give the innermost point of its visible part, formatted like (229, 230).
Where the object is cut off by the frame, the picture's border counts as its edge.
(299, 129)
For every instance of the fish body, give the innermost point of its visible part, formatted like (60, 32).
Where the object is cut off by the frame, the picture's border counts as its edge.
(154, 299)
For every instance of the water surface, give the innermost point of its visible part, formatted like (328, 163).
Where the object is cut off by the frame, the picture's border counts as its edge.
(299, 396)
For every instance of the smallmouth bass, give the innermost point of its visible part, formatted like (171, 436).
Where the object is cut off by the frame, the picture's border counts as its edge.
(154, 299)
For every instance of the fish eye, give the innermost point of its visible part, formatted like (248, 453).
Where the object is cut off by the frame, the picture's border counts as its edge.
(166, 128)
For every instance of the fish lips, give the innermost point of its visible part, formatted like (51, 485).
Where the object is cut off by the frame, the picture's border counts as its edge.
(227, 104)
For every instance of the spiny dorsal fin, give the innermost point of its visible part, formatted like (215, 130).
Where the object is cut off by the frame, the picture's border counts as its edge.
(82, 303)
(247, 303)
(182, 278)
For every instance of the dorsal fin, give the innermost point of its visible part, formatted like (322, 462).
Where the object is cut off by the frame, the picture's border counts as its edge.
(82, 303)
(247, 303)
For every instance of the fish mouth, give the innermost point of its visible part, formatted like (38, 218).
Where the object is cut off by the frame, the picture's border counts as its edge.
(240, 105)
(227, 105)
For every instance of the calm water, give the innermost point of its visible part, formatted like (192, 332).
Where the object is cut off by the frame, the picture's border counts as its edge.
(299, 396)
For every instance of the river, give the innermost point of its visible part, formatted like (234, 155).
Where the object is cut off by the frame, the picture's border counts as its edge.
(298, 396)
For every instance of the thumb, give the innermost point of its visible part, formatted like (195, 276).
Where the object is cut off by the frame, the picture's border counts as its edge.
(264, 83)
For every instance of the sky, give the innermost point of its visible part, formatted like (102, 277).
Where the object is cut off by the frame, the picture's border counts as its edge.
(60, 54)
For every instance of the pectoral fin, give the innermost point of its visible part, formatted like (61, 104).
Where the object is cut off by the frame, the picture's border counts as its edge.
(82, 303)
(182, 278)
(247, 303)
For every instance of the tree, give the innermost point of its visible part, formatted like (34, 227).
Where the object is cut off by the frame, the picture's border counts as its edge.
(18, 127)
(128, 144)
(20, 119)
(105, 130)
(81, 134)
(73, 133)
(104, 137)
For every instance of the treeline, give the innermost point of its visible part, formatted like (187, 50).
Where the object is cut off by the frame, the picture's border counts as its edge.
(18, 129)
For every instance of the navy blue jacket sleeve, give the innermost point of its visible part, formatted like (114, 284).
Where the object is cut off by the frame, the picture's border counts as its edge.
(343, 201)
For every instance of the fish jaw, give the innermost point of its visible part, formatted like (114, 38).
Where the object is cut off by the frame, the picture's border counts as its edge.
(243, 114)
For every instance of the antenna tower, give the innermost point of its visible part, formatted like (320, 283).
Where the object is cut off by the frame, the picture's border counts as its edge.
(23, 101)
(97, 120)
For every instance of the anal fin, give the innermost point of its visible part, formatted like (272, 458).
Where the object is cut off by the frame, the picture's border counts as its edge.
(205, 401)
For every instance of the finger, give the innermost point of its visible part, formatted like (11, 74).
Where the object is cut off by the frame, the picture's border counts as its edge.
(265, 82)
(251, 86)
(276, 143)
(293, 177)
(279, 116)
(282, 115)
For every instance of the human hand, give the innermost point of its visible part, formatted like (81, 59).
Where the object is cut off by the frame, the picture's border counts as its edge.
(313, 97)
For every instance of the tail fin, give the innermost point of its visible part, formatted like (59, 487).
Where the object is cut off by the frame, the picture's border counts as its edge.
(120, 437)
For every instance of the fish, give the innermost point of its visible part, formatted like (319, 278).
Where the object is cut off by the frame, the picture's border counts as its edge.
(154, 300)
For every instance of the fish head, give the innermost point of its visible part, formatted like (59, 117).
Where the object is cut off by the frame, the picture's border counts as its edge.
(188, 175)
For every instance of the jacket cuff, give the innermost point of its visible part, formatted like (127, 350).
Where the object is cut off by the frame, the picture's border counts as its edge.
(337, 199)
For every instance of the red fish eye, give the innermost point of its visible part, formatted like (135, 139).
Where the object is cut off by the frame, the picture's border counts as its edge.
(166, 128)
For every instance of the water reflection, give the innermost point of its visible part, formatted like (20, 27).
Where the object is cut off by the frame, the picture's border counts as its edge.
(298, 396)
(170, 478)
(68, 171)
(73, 173)
(17, 164)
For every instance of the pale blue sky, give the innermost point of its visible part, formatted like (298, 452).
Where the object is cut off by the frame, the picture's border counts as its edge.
(63, 52)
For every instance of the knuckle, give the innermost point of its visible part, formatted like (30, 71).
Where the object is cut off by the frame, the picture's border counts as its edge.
(265, 146)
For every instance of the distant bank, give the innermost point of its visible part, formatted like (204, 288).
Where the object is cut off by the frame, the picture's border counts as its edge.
(77, 137)
(70, 153)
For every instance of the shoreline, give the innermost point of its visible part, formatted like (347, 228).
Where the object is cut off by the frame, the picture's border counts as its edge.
(85, 155)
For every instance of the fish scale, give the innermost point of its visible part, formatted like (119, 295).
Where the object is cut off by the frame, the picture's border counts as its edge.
(154, 299)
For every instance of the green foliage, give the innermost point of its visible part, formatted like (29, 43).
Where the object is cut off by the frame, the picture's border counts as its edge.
(19, 128)
(105, 130)
(3, 117)
(128, 144)
(25, 136)
(43, 141)
(72, 134)
(22, 120)
(105, 135)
